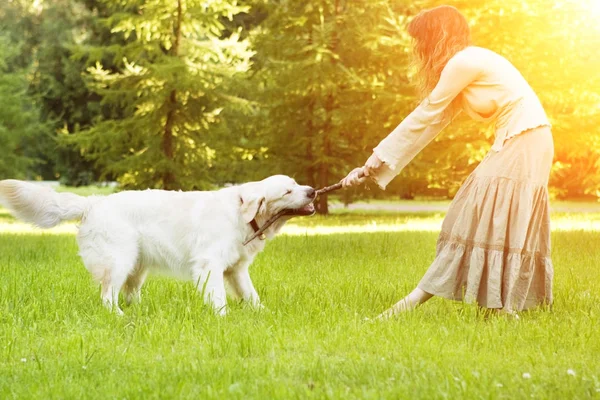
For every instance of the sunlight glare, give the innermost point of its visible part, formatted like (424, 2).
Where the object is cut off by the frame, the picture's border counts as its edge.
(561, 224)
(25, 229)
(429, 225)
(588, 6)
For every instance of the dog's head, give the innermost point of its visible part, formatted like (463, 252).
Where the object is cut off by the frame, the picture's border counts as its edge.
(274, 194)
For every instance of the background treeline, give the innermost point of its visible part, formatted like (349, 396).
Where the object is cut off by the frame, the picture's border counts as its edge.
(195, 94)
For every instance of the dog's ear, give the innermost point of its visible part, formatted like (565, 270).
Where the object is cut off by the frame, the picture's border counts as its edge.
(253, 203)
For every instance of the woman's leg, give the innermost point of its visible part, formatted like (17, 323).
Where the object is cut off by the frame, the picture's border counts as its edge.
(415, 298)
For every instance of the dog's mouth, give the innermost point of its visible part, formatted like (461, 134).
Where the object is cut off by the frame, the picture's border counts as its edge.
(308, 209)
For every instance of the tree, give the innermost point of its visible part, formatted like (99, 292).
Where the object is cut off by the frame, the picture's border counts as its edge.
(319, 84)
(20, 128)
(173, 78)
(554, 45)
(66, 104)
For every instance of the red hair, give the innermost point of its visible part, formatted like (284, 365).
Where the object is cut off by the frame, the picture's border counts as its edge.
(439, 33)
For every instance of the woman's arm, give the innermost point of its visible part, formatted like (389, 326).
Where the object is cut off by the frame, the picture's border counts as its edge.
(426, 121)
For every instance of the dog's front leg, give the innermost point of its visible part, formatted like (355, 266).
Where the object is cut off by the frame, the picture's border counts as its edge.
(208, 277)
(240, 280)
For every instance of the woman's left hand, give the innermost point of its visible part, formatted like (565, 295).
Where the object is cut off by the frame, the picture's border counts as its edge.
(372, 165)
(355, 177)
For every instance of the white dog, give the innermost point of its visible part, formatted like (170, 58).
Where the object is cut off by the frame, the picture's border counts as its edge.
(194, 235)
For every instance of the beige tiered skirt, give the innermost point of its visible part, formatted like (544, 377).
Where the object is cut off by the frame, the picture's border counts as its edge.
(494, 248)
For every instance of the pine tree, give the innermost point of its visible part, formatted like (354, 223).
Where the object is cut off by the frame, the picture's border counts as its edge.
(318, 80)
(20, 127)
(66, 104)
(163, 103)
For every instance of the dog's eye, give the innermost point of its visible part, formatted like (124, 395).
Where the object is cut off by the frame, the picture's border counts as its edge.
(288, 192)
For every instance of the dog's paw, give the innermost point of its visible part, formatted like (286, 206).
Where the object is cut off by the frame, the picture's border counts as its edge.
(113, 309)
(221, 312)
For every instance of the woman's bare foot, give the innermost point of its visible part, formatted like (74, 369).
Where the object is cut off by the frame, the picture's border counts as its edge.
(414, 299)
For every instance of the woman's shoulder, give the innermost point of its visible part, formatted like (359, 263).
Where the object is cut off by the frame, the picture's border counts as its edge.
(470, 57)
(473, 53)
(475, 57)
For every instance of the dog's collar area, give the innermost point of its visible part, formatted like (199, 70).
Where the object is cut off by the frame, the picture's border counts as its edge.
(255, 227)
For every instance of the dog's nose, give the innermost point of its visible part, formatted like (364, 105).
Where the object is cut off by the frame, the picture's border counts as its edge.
(311, 193)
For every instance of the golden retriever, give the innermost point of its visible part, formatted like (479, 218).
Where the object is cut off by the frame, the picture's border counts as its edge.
(194, 235)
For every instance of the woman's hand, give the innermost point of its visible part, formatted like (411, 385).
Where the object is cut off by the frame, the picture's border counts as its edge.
(372, 165)
(355, 177)
(358, 175)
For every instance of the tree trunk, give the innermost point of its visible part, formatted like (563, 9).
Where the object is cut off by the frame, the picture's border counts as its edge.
(322, 205)
(168, 177)
(310, 170)
(310, 134)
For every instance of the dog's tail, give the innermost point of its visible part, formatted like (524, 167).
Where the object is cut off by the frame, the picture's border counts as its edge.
(40, 205)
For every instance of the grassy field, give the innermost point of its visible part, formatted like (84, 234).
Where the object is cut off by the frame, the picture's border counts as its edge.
(318, 281)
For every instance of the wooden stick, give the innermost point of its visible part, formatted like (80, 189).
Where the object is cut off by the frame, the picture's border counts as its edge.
(328, 189)
(269, 222)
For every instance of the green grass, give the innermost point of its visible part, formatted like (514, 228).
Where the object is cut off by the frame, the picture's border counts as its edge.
(57, 341)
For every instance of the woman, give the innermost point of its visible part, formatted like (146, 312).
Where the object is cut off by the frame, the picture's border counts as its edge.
(494, 247)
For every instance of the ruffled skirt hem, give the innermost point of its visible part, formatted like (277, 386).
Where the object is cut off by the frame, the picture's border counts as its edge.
(494, 248)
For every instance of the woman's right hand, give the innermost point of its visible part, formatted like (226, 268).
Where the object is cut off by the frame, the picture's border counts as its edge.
(372, 165)
(355, 177)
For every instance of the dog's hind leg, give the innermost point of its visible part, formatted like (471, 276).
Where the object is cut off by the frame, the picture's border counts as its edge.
(208, 277)
(106, 292)
(113, 280)
(133, 285)
(109, 249)
(111, 286)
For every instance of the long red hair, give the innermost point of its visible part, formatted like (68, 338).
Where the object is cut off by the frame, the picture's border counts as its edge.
(439, 33)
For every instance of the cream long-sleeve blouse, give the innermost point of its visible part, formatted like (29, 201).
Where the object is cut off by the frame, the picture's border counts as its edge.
(492, 89)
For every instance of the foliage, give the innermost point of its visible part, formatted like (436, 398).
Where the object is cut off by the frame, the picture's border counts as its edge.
(322, 83)
(67, 104)
(169, 89)
(227, 91)
(554, 45)
(20, 126)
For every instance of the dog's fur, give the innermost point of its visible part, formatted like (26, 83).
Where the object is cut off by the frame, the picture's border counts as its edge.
(194, 235)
